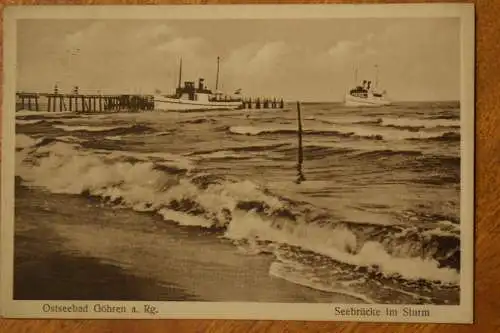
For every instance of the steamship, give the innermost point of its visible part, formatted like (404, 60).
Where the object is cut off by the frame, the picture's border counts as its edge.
(364, 94)
(191, 98)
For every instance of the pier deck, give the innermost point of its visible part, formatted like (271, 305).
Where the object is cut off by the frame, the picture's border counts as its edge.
(55, 102)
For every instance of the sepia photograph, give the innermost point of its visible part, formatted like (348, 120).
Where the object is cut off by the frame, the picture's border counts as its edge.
(262, 158)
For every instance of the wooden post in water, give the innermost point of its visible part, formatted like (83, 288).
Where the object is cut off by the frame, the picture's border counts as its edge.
(217, 77)
(300, 153)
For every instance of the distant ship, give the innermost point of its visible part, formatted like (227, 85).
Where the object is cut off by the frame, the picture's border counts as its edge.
(190, 98)
(364, 94)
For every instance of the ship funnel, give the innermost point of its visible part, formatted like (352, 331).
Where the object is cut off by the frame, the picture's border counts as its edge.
(201, 86)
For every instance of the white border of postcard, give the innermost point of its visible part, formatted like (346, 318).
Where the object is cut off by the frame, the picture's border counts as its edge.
(462, 313)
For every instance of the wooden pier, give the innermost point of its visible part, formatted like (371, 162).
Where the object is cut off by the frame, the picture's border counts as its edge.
(97, 103)
(263, 103)
(28, 101)
(82, 103)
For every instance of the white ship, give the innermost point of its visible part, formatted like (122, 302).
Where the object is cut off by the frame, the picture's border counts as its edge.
(191, 98)
(364, 94)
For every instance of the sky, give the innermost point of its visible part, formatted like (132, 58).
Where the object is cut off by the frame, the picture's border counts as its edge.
(418, 59)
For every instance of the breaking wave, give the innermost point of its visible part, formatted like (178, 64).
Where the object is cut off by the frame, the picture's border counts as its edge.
(111, 130)
(447, 136)
(414, 124)
(28, 122)
(243, 211)
(374, 133)
(68, 128)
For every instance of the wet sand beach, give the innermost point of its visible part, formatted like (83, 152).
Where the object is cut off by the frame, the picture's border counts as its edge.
(111, 254)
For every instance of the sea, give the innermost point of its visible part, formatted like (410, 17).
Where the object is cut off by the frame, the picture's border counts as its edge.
(376, 218)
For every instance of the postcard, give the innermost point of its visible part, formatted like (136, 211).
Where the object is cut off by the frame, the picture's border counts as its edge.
(291, 162)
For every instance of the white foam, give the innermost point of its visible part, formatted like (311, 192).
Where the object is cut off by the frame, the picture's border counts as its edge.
(339, 244)
(444, 229)
(250, 130)
(69, 169)
(70, 139)
(283, 271)
(346, 119)
(221, 154)
(390, 121)
(115, 138)
(386, 133)
(88, 128)
(22, 113)
(162, 158)
(184, 219)
(418, 122)
(27, 122)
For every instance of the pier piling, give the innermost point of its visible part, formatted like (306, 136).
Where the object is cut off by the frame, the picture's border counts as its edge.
(27, 101)
(263, 103)
(75, 102)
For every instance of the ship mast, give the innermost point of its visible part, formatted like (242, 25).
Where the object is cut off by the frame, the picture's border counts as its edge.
(376, 77)
(180, 74)
(217, 77)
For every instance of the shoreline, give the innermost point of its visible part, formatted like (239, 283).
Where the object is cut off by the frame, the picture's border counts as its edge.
(71, 248)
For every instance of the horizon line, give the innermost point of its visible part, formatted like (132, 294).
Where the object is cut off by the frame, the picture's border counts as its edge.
(394, 101)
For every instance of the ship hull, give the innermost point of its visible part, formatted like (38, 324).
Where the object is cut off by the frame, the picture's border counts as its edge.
(367, 102)
(174, 104)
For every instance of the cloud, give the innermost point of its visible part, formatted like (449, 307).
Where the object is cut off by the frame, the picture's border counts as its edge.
(156, 32)
(182, 46)
(353, 52)
(86, 35)
(344, 48)
(257, 58)
(268, 55)
(257, 67)
(112, 37)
